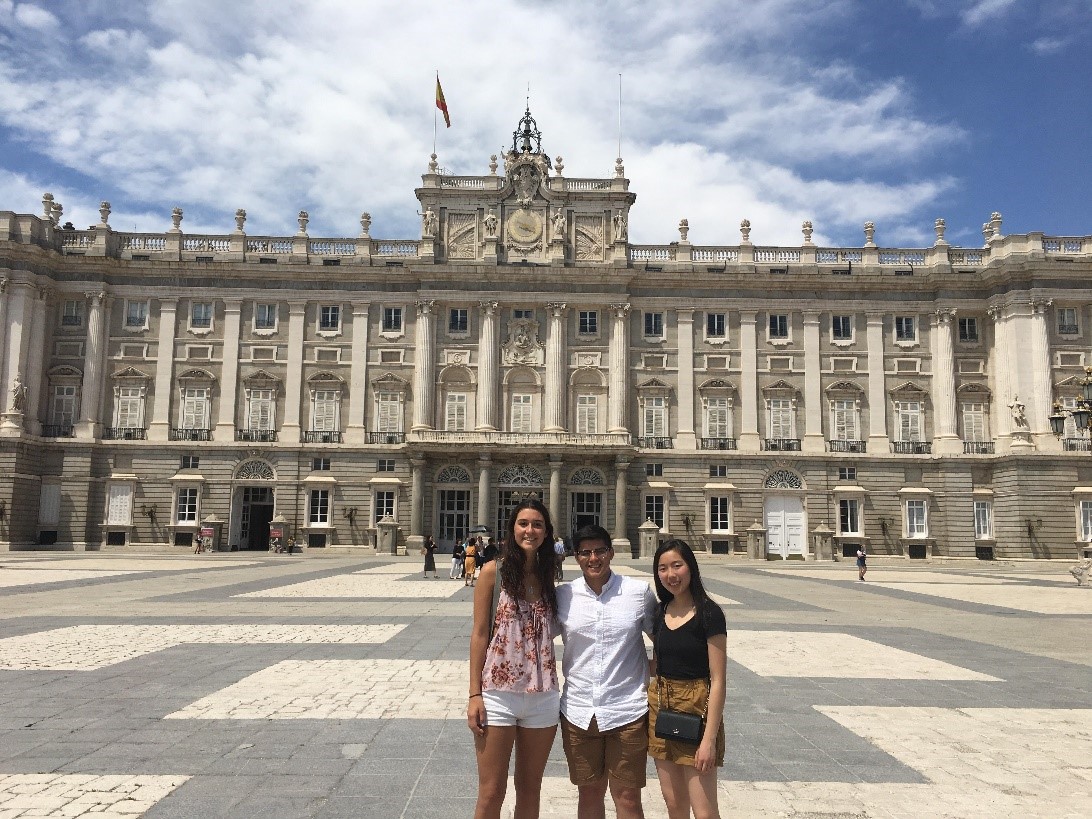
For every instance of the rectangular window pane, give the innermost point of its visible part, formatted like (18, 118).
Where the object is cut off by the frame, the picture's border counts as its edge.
(655, 418)
(718, 514)
(968, 329)
(195, 408)
(915, 518)
(779, 326)
(716, 418)
(119, 504)
(983, 520)
(715, 326)
(654, 509)
(265, 316)
(136, 313)
(329, 317)
(390, 412)
(974, 422)
(201, 314)
(654, 325)
(589, 322)
(849, 521)
(905, 328)
(841, 328)
(384, 506)
(325, 411)
(186, 507)
(261, 410)
(521, 413)
(318, 508)
(781, 418)
(587, 415)
(908, 417)
(456, 412)
(64, 405)
(458, 320)
(843, 420)
(130, 409)
(392, 319)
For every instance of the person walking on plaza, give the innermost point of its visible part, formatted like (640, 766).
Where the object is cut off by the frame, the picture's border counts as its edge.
(559, 550)
(862, 562)
(513, 698)
(470, 562)
(689, 641)
(604, 709)
(456, 561)
(429, 551)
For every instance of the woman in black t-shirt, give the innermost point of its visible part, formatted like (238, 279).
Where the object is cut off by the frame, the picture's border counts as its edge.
(689, 638)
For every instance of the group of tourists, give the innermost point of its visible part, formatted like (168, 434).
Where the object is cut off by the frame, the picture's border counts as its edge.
(618, 706)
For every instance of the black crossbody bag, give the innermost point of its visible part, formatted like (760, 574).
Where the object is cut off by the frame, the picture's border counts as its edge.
(676, 725)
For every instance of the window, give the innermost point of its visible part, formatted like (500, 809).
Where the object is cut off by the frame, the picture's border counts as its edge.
(654, 325)
(389, 412)
(847, 473)
(844, 420)
(849, 516)
(329, 317)
(384, 505)
(195, 408)
(458, 320)
(654, 509)
(841, 328)
(779, 326)
(320, 464)
(916, 519)
(589, 323)
(715, 325)
(190, 462)
(63, 411)
(521, 413)
(392, 319)
(908, 420)
(129, 412)
(587, 415)
(718, 471)
(200, 315)
(265, 316)
(1067, 321)
(654, 470)
(974, 422)
(72, 314)
(136, 314)
(326, 410)
(318, 507)
(781, 419)
(983, 520)
(260, 412)
(717, 420)
(186, 505)
(523, 314)
(655, 417)
(456, 412)
(719, 514)
(968, 329)
(906, 328)
(384, 465)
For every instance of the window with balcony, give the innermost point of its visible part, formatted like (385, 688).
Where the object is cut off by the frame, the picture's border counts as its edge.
(1067, 321)
(265, 317)
(654, 417)
(716, 326)
(983, 520)
(318, 507)
(63, 409)
(841, 328)
(458, 321)
(185, 505)
(779, 326)
(260, 410)
(128, 413)
(845, 420)
(654, 325)
(968, 329)
(975, 414)
(329, 318)
(72, 313)
(908, 421)
(455, 412)
(136, 315)
(389, 412)
(587, 414)
(521, 413)
(392, 320)
(781, 419)
(201, 315)
(906, 329)
(717, 422)
(195, 408)
(588, 323)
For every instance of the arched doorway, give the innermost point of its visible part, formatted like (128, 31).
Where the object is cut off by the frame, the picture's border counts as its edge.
(514, 484)
(452, 506)
(585, 498)
(783, 512)
(252, 505)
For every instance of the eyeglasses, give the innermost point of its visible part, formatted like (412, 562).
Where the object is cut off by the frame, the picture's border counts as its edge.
(584, 554)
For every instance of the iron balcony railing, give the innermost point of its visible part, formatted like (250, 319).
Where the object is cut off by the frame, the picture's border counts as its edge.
(386, 437)
(57, 431)
(124, 434)
(190, 434)
(978, 447)
(718, 443)
(911, 447)
(781, 444)
(257, 436)
(651, 442)
(321, 437)
(847, 446)
(1076, 445)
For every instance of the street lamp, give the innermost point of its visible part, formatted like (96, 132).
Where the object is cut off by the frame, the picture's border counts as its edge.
(1081, 413)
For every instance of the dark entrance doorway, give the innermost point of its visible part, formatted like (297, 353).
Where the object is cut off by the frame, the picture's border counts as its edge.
(256, 513)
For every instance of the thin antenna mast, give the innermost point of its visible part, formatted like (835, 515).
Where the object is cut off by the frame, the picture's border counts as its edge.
(619, 116)
(435, 108)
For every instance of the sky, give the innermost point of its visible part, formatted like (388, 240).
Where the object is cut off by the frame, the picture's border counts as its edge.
(777, 111)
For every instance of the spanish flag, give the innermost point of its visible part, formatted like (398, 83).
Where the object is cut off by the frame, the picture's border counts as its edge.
(441, 103)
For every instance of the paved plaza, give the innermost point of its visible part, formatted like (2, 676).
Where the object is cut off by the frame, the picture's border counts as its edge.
(319, 686)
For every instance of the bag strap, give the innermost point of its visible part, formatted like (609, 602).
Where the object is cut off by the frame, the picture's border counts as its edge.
(495, 600)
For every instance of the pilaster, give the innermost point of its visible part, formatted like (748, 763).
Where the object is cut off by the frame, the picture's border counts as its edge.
(555, 491)
(33, 422)
(1043, 392)
(485, 481)
(813, 396)
(293, 386)
(424, 380)
(356, 428)
(749, 440)
(229, 372)
(686, 438)
(620, 541)
(879, 442)
(89, 425)
(160, 427)
(554, 397)
(946, 438)
(617, 394)
(487, 367)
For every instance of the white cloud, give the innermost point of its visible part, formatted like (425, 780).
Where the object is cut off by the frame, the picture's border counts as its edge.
(981, 12)
(1045, 46)
(31, 16)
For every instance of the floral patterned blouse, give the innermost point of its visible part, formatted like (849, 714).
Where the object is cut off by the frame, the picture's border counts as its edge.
(520, 657)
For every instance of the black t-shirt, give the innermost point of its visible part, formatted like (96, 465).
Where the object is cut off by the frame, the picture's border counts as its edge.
(683, 653)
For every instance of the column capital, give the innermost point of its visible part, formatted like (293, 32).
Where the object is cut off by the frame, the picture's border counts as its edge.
(417, 462)
(685, 313)
(96, 298)
(488, 307)
(811, 317)
(425, 306)
(556, 461)
(944, 315)
(167, 302)
(233, 305)
(622, 461)
(1039, 306)
(360, 308)
(297, 306)
(748, 316)
(996, 312)
(619, 310)
(556, 308)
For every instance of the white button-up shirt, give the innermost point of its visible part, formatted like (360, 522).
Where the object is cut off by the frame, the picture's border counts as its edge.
(605, 664)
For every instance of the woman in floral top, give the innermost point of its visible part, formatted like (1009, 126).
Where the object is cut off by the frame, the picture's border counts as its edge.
(514, 699)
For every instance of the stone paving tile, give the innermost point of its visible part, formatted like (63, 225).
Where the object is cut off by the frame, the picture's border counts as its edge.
(12, 578)
(131, 564)
(81, 648)
(1020, 597)
(67, 795)
(403, 586)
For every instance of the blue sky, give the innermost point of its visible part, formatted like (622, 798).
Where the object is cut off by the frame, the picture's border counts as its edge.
(834, 111)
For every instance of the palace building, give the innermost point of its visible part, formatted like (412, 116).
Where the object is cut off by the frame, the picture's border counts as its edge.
(359, 393)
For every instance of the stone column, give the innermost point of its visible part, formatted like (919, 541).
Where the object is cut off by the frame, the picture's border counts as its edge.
(621, 542)
(20, 317)
(293, 383)
(555, 492)
(618, 393)
(554, 398)
(487, 368)
(356, 428)
(160, 427)
(424, 379)
(748, 381)
(813, 395)
(416, 537)
(229, 372)
(945, 435)
(91, 391)
(685, 437)
(4, 296)
(1000, 362)
(878, 440)
(485, 470)
(35, 369)
(1042, 391)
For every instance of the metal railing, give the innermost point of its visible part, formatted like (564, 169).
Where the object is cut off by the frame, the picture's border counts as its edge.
(1076, 445)
(780, 444)
(189, 434)
(57, 431)
(386, 437)
(124, 434)
(847, 446)
(911, 447)
(978, 447)
(718, 443)
(654, 442)
(258, 436)
(321, 437)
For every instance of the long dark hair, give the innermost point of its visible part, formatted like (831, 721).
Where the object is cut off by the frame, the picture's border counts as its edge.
(511, 554)
(697, 590)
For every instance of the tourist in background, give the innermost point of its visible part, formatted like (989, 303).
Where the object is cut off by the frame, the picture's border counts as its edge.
(429, 551)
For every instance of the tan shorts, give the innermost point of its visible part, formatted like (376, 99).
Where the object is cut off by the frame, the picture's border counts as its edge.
(620, 754)
(688, 696)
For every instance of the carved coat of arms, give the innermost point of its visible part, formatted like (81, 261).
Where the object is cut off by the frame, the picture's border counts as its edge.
(523, 345)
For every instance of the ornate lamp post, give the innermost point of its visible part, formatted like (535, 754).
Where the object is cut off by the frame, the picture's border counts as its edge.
(1081, 413)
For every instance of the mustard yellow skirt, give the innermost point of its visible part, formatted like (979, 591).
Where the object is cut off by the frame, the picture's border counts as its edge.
(688, 696)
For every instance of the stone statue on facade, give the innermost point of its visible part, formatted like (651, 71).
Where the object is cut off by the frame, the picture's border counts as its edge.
(523, 345)
(428, 222)
(490, 224)
(18, 395)
(559, 223)
(1082, 572)
(621, 227)
(1019, 417)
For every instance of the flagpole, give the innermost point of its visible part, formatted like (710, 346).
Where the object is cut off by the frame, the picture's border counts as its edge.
(434, 110)
(619, 116)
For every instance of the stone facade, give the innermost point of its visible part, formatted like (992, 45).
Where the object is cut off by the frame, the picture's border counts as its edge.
(740, 396)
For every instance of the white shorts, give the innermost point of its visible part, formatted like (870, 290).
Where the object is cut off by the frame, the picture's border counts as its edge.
(541, 709)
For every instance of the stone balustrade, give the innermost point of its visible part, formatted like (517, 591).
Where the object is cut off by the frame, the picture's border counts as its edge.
(532, 439)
